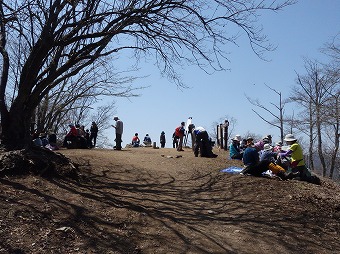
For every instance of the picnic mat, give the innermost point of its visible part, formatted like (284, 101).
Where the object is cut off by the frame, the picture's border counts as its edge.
(232, 170)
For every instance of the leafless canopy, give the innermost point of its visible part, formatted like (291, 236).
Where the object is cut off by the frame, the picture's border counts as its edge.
(43, 43)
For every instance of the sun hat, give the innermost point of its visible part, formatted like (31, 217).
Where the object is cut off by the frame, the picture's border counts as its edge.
(235, 139)
(267, 147)
(250, 138)
(238, 137)
(289, 137)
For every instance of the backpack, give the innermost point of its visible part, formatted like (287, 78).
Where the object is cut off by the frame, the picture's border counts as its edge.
(178, 131)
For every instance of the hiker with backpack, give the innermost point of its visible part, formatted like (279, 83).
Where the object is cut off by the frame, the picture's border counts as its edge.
(179, 132)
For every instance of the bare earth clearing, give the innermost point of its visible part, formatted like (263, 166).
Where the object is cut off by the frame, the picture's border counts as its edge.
(146, 200)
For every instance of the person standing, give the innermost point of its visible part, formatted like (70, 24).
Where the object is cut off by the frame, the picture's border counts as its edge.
(174, 140)
(179, 132)
(93, 135)
(162, 139)
(119, 132)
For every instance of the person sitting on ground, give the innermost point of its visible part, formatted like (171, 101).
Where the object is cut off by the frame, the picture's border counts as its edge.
(256, 167)
(71, 136)
(52, 138)
(251, 160)
(243, 144)
(297, 163)
(147, 140)
(81, 140)
(202, 144)
(268, 154)
(234, 149)
(278, 147)
(250, 142)
(135, 140)
(44, 140)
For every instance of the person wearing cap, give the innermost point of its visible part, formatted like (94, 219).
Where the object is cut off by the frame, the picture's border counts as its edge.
(234, 148)
(119, 132)
(297, 163)
(162, 139)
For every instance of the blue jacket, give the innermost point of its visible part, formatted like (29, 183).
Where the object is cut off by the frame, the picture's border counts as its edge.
(250, 156)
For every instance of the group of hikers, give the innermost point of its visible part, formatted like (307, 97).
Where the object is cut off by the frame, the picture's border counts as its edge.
(76, 137)
(202, 144)
(261, 157)
(146, 141)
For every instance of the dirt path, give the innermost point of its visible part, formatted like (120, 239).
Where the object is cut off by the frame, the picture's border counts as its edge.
(148, 200)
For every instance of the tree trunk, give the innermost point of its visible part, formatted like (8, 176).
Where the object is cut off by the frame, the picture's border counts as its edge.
(16, 128)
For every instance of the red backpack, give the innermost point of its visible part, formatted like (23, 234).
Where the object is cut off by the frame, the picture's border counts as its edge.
(178, 131)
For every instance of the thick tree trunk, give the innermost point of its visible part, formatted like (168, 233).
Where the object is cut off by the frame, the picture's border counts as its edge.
(16, 128)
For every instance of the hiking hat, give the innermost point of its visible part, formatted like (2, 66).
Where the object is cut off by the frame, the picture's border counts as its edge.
(235, 139)
(267, 147)
(290, 137)
(238, 137)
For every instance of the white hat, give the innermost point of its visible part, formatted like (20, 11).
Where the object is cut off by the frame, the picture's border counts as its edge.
(290, 137)
(235, 139)
(238, 137)
(267, 147)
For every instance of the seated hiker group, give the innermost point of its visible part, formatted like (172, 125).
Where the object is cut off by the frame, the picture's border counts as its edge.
(76, 137)
(261, 157)
(135, 142)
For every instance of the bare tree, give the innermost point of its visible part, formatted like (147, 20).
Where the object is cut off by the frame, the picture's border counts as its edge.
(61, 38)
(277, 118)
(318, 94)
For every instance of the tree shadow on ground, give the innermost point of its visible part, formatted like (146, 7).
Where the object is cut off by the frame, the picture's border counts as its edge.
(129, 210)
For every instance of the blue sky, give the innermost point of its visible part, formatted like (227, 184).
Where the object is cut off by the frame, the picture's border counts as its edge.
(298, 31)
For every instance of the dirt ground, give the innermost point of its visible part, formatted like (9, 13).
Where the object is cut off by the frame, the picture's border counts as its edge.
(144, 200)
